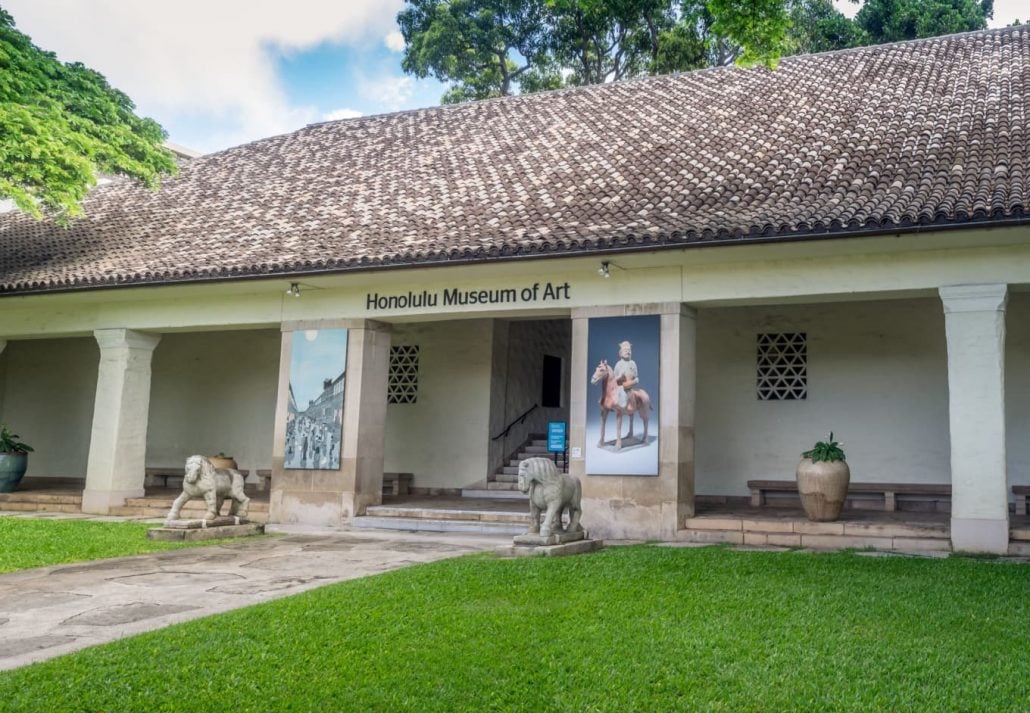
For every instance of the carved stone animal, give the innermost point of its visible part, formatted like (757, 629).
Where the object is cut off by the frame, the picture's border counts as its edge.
(552, 493)
(214, 485)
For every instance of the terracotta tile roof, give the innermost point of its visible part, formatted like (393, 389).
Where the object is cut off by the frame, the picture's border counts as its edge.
(880, 138)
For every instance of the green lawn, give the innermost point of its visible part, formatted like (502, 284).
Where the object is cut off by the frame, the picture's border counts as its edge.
(628, 629)
(28, 542)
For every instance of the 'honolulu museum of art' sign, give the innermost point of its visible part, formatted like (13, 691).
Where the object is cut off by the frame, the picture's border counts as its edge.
(456, 297)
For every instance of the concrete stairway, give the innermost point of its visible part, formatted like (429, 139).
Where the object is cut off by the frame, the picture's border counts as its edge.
(42, 501)
(504, 483)
(481, 516)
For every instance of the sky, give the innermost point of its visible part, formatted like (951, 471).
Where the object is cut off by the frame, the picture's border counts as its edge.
(217, 73)
(317, 355)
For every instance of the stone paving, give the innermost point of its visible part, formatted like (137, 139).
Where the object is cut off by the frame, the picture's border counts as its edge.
(49, 611)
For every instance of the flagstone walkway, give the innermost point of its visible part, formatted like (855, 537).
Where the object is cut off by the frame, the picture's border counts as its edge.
(49, 611)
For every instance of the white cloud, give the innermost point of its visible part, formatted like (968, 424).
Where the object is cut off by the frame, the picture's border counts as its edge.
(200, 58)
(390, 91)
(394, 41)
(338, 114)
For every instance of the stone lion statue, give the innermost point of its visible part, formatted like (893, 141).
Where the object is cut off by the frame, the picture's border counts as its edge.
(550, 492)
(214, 485)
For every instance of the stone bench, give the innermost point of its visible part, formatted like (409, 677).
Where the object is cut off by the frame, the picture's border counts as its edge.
(890, 491)
(397, 483)
(1022, 492)
(171, 477)
(264, 476)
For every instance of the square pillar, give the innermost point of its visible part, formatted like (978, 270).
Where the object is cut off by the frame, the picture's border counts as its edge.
(640, 507)
(974, 319)
(327, 498)
(118, 441)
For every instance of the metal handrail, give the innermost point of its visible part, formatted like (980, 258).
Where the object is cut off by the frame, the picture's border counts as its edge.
(520, 419)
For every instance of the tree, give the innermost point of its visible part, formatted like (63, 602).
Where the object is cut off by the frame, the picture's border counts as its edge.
(896, 20)
(817, 26)
(500, 47)
(489, 48)
(60, 125)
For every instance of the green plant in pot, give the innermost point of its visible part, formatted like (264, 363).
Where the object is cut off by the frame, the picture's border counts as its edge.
(823, 478)
(14, 459)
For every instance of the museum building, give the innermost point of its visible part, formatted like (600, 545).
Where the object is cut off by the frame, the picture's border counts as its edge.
(842, 244)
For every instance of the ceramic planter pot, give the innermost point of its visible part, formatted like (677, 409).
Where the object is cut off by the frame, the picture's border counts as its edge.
(223, 463)
(12, 469)
(823, 486)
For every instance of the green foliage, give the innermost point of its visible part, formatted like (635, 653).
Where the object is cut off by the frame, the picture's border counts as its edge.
(817, 26)
(60, 124)
(30, 542)
(9, 442)
(627, 629)
(483, 46)
(828, 450)
(491, 48)
(896, 20)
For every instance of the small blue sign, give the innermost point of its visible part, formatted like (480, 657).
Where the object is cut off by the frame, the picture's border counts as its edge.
(555, 436)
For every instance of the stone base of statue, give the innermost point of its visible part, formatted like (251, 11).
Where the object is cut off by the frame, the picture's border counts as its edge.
(215, 528)
(554, 545)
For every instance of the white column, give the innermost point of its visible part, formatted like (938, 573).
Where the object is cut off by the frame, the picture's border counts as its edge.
(3, 345)
(332, 497)
(629, 506)
(974, 318)
(118, 444)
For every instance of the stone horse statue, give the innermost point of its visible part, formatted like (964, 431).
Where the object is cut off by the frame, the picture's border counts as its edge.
(552, 493)
(637, 401)
(214, 485)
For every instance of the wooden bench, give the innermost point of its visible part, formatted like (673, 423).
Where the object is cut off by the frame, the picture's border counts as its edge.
(890, 491)
(1022, 492)
(397, 483)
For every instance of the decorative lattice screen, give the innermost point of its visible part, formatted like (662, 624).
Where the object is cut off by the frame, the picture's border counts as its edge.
(403, 384)
(782, 366)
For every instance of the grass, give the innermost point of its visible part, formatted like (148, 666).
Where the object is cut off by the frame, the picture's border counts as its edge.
(628, 629)
(31, 542)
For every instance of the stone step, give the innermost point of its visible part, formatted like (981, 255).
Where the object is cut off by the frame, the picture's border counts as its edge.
(31, 496)
(30, 506)
(502, 486)
(471, 515)
(805, 527)
(1019, 548)
(515, 461)
(188, 513)
(495, 494)
(508, 470)
(1020, 534)
(416, 524)
(533, 451)
(503, 478)
(195, 504)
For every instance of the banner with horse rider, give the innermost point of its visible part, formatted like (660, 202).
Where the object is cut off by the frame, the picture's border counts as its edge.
(622, 411)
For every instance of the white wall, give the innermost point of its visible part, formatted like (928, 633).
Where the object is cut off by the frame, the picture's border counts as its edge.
(211, 392)
(443, 439)
(877, 376)
(48, 390)
(1017, 388)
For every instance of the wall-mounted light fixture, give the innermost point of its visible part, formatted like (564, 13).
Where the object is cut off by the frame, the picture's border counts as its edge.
(294, 290)
(605, 270)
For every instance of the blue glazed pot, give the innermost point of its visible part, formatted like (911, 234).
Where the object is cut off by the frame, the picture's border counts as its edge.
(12, 468)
